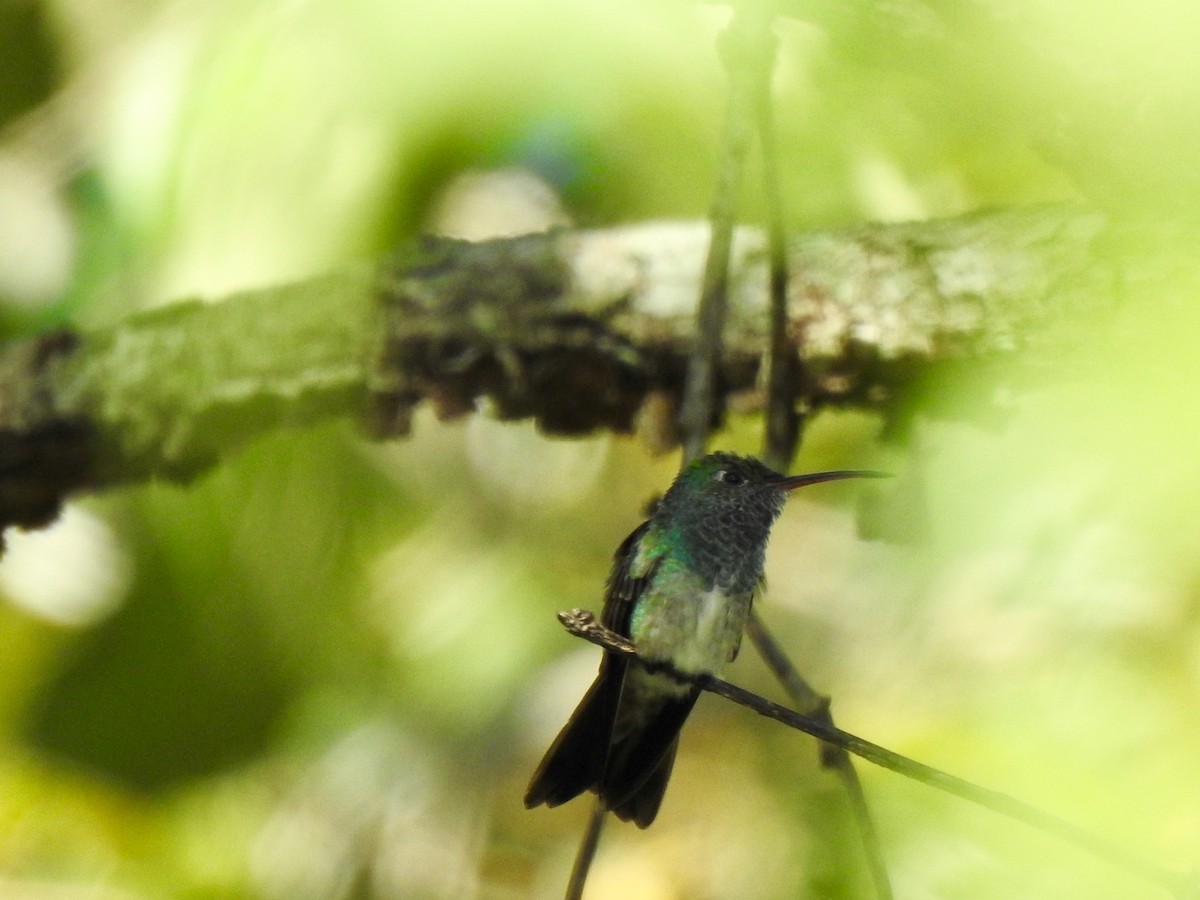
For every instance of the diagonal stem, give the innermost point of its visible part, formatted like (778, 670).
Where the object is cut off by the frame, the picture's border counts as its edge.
(809, 703)
(584, 624)
(996, 801)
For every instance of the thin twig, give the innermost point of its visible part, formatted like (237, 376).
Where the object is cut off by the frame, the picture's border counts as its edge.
(587, 851)
(584, 624)
(783, 424)
(780, 361)
(808, 702)
(700, 390)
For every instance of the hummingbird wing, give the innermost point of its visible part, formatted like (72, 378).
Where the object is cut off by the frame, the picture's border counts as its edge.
(576, 759)
(620, 742)
(651, 707)
(632, 570)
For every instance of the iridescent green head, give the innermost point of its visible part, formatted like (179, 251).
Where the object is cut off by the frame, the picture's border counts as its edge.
(720, 509)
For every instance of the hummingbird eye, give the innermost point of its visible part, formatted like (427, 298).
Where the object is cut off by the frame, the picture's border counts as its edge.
(730, 477)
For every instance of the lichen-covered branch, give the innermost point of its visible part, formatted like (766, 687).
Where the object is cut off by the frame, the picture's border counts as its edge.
(582, 330)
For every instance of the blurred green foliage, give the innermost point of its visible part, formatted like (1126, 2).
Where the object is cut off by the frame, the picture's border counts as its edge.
(331, 667)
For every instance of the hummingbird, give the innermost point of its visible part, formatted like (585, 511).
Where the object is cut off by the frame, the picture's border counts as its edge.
(681, 587)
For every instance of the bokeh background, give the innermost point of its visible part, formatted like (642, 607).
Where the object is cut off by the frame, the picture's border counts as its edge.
(326, 669)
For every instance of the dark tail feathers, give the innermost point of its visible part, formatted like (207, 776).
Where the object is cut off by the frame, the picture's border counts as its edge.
(630, 779)
(575, 761)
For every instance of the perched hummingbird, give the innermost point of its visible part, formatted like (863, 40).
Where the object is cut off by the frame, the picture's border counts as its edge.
(680, 589)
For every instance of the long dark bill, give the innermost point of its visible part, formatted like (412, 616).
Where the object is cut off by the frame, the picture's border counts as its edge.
(791, 482)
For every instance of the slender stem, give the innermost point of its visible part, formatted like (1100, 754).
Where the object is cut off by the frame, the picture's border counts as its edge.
(994, 800)
(780, 363)
(782, 436)
(586, 852)
(700, 390)
(808, 702)
(584, 624)
(872, 849)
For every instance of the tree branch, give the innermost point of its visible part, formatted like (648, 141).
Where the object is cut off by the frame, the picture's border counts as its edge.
(582, 330)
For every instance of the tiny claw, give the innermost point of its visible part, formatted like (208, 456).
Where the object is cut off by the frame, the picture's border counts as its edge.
(577, 620)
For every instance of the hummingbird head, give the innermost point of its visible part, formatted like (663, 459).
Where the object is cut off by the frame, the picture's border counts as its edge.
(721, 507)
(727, 481)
